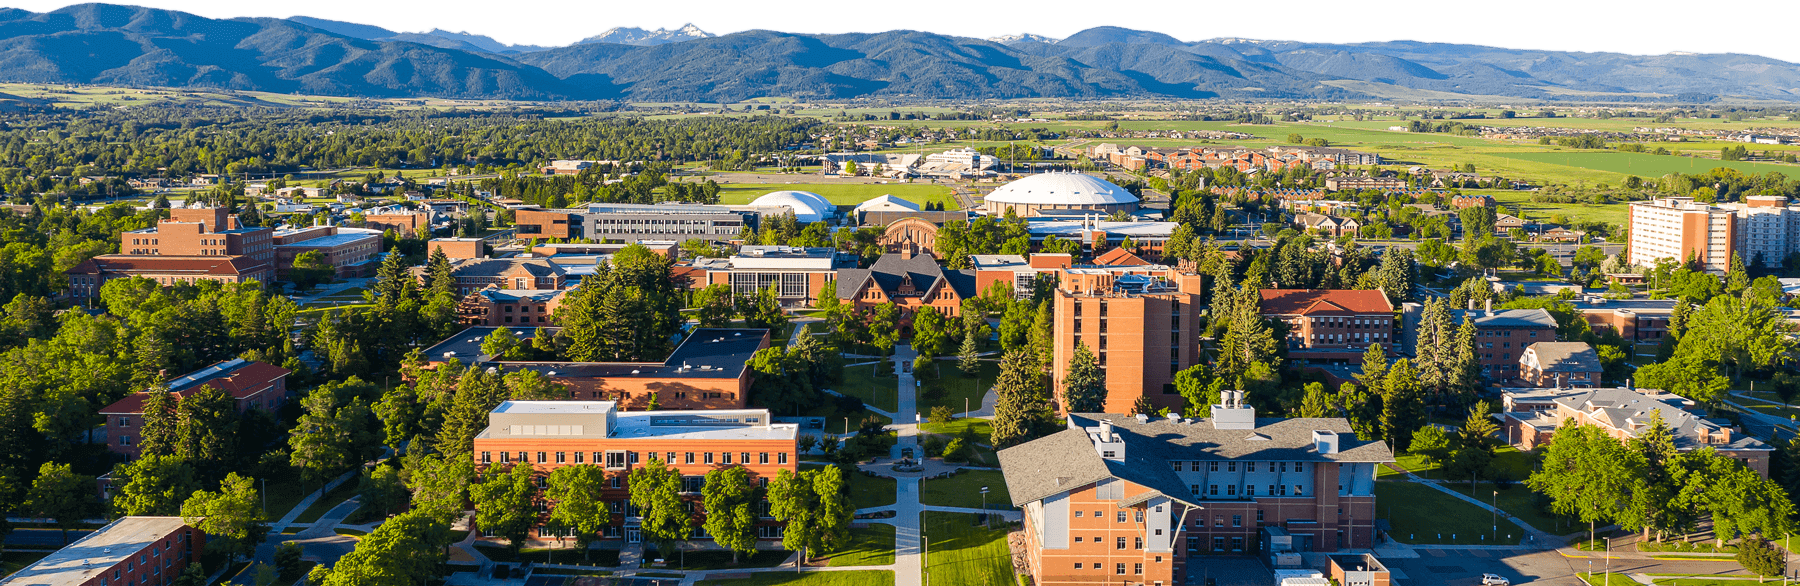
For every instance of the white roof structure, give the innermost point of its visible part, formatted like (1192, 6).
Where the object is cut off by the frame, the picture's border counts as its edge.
(807, 206)
(887, 203)
(1061, 189)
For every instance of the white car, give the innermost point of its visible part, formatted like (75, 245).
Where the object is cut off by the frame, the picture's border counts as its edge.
(1494, 580)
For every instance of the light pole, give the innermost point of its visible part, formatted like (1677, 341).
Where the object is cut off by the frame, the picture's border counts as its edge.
(1608, 561)
(1496, 516)
(985, 521)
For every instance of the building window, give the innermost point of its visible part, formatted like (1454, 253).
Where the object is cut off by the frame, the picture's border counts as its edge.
(488, 457)
(781, 458)
(560, 457)
(763, 458)
(1237, 520)
(615, 460)
(542, 459)
(1137, 543)
(578, 457)
(725, 458)
(689, 459)
(1121, 542)
(1137, 568)
(709, 457)
(1121, 569)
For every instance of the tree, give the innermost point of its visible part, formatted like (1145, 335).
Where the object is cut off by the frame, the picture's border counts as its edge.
(835, 510)
(1199, 390)
(1084, 384)
(1758, 555)
(1019, 405)
(931, 337)
(505, 503)
(382, 489)
(405, 551)
(1740, 501)
(968, 357)
(400, 412)
(792, 501)
(713, 306)
(1586, 474)
(731, 510)
(158, 434)
(63, 496)
(287, 561)
(1249, 339)
(310, 268)
(577, 494)
(1431, 442)
(438, 483)
(321, 442)
(1317, 403)
(232, 518)
(1402, 412)
(656, 492)
(1478, 429)
(500, 344)
(207, 425)
(154, 485)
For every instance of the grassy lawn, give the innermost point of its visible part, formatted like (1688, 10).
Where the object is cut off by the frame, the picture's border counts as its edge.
(1424, 514)
(849, 578)
(960, 389)
(964, 490)
(869, 546)
(959, 551)
(866, 492)
(1601, 578)
(14, 561)
(719, 560)
(569, 555)
(837, 193)
(982, 428)
(284, 491)
(881, 392)
(325, 503)
(1517, 464)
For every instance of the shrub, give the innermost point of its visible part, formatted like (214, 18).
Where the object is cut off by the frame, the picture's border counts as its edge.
(933, 447)
(956, 450)
(1757, 555)
(942, 414)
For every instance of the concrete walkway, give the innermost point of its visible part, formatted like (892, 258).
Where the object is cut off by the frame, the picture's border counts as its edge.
(909, 531)
(1536, 539)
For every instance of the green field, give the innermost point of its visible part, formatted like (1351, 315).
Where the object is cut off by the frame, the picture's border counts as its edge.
(964, 491)
(869, 546)
(847, 578)
(1644, 165)
(839, 193)
(1420, 515)
(959, 551)
(881, 392)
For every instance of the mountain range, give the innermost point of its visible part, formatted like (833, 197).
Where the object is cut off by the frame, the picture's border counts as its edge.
(134, 46)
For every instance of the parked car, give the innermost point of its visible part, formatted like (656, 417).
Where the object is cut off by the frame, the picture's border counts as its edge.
(1494, 580)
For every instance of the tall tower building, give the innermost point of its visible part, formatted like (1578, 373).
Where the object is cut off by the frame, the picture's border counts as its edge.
(1141, 322)
(1679, 228)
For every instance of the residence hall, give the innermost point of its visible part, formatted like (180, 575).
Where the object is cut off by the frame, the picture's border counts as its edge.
(1141, 322)
(1678, 228)
(517, 273)
(910, 279)
(708, 370)
(1636, 320)
(552, 434)
(1530, 418)
(1331, 325)
(85, 279)
(516, 308)
(1118, 499)
(1500, 335)
(198, 244)
(796, 274)
(252, 385)
(1560, 364)
(132, 551)
(353, 252)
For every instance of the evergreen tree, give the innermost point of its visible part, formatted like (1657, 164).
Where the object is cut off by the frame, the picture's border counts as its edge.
(1737, 279)
(1374, 368)
(1249, 339)
(1396, 275)
(160, 432)
(1465, 368)
(1402, 412)
(1434, 335)
(968, 358)
(1317, 403)
(1478, 430)
(440, 277)
(1084, 383)
(1019, 407)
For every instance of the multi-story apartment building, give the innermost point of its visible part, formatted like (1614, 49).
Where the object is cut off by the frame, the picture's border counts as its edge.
(1679, 228)
(1767, 229)
(252, 385)
(201, 232)
(797, 274)
(552, 434)
(1131, 500)
(512, 308)
(86, 278)
(1352, 183)
(1141, 322)
(634, 222)
(1331, 324)
(352, 251)
(708, 370)
(132, 551)
(1500, 335)
(1531, 416)
(1560, 364)
(515, 273)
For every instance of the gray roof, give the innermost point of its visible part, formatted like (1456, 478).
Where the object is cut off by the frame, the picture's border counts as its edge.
(494, 267)
(892, 268)
(1621, 408)
(1565, 357)
(1507, 318)
(1066, 460)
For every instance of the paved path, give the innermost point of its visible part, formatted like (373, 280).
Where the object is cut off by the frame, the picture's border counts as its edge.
(1538, 539)
(909, 531)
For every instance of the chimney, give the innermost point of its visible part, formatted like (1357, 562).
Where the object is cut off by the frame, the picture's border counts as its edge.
(1490, 307)
(906, 251)
(1106, 429)
(1471, 304)
(1704, 433)
(1724, 435)
(1325, 441)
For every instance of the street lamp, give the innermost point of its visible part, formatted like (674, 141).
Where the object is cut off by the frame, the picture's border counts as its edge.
(1496, 516)
(984, 512)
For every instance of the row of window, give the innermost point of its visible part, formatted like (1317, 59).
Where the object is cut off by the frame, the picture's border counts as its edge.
(1232, 466)
(621, 459)
(1231, 490)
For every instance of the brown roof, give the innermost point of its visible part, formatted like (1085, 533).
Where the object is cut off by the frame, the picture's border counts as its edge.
(1050, 260)
(1120, 257)
(237, 378)
(198, 265)
(1324, 302)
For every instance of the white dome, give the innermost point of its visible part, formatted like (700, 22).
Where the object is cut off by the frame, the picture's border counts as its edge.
(1061, 189)
(807, 206)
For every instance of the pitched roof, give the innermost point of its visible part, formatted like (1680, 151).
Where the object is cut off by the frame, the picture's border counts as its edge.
(237, 377)
(1507, 318)
(495, 267)
(197, 265)
(1120, 257)
(1324, 302)
(1565, 357)
(1630, 411)
(889, 272)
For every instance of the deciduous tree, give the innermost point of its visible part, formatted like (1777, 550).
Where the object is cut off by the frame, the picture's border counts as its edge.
(232, 518)
(730, 504)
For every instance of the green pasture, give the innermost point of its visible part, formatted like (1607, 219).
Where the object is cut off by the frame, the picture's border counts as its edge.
(1644, 165)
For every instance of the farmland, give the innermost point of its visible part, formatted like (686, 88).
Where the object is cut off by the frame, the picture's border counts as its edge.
(1644, 165)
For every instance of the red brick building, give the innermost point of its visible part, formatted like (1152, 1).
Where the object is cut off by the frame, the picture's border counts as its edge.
(707, 371)
(201, 232)
(520, 273)
(410, 224)
(1116, 499)
(909, 279)
(352, 251)
(1331, 324)
(459, 248)
(514, 308)
(552, 434)
(132, 551)
(1141, 323)
(252, 385)
(1500, 335)
(86, 278)
(1530, 418)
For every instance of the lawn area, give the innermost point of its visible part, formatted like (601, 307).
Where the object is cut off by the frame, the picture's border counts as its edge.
(841, 194)
(866, 492)
(1644, 165)
(13, 561)
(561, 555)
(325, 503)
(1423, 514)
(1616, 579)
(960, 551)
(284, 491)
(869, 546)
(1519, 501)
(1610, 213)
(964, 490)
(881, 392)
(718, 560)
(961, 391)
(849, 578)
(982, 428)
(1517, 464)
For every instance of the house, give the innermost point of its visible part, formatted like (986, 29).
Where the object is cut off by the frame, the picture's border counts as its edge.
(1116, 499)
(1560, 234)
(1471, 201)
(1504, 223)
(1559, 364)
(252, 385)
(1323, 224)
